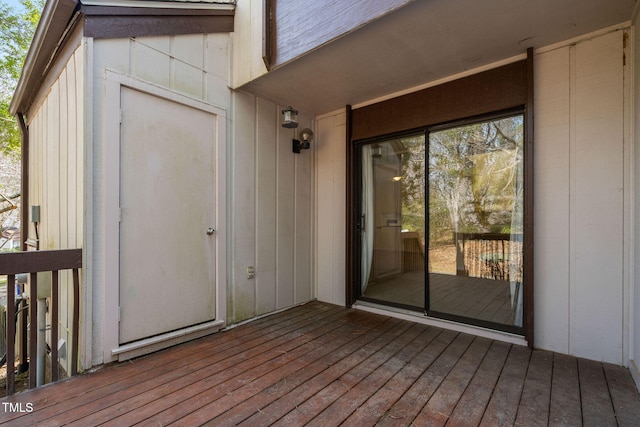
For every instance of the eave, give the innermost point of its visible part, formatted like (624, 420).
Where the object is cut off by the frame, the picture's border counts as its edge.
(54, 21)
(420, 43)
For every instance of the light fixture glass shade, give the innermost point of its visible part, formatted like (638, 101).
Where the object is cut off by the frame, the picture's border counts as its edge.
(306, 135)
(290, 118)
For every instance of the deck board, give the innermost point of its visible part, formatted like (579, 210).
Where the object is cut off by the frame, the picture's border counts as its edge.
(409, 405)
(472, 405)
(503, 406)
(536, 395)
(323, 365)
(444, 400)
(565, 406)
(623, 396)
(597, 408)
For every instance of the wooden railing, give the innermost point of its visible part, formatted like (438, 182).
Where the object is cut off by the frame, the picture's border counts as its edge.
(32, 263)
(412, 252)
(489, 255)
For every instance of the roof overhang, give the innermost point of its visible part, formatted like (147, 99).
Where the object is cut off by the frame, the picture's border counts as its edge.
(427, 41)
(161, 4)
(54, 21)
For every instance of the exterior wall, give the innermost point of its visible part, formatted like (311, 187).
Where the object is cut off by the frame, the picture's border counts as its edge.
(331, 182)
(247, 41)
(580, 195)
(634, 364)
(56, 171)
(193, 65)
(581, 187)
(272, 208)
(269, 189)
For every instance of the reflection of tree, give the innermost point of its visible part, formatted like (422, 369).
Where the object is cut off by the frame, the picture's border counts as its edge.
(413, 188)
(474, 176)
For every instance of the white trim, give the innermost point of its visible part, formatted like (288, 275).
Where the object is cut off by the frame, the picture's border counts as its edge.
(111, 270)
(633, 281)
(165, 4)
(635, 372)
(88, 279)
(628, 201)
(114, 82)
(413, 316)
(159, 342)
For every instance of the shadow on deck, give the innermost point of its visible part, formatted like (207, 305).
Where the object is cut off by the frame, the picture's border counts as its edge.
(320, 364)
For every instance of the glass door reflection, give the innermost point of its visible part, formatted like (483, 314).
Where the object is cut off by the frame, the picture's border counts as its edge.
(393, 221)
(476, 222)
(441, 222)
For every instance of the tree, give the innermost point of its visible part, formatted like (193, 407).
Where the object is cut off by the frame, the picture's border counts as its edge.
(475, 173)
(17, 27)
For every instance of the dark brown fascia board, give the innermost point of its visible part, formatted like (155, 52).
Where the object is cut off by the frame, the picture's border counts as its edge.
(91, 10)
(119, 26)
(55, 18)
(119, 21)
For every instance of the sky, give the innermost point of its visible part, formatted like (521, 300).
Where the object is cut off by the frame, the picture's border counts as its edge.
(14, 3)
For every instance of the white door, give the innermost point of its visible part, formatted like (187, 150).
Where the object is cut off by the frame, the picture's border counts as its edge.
(167, 212)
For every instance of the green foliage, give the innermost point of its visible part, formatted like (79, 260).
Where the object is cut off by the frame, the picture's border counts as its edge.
(17, 27)
(475, 176)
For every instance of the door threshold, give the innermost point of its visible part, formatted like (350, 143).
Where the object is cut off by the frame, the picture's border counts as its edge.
(159, 342)
(419, 317)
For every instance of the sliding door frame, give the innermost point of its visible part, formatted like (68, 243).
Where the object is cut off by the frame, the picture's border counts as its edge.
(494, 92)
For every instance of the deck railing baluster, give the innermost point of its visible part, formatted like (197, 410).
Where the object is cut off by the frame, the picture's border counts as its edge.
(32, 263)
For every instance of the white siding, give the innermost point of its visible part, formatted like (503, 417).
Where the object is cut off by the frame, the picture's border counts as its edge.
(56, 172)
(634, 364)
(196, 66)
(551, 199)
(247, 42)
(193, 65)
(597, 196)
(579, 201)
(271, 199)
(331, 183)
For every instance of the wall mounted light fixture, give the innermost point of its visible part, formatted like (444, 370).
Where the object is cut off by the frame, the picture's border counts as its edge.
(290, 118)
(304, 143)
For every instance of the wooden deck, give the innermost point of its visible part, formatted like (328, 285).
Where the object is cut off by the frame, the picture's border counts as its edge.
(324, 365)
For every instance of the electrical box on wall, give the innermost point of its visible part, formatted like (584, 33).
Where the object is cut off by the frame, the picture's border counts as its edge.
(35, 213)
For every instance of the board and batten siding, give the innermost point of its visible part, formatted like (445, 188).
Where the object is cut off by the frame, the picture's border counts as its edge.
(56, 173)
(634, 364)
(269, 188)
(272, 208)
(579, 199)
(331, 183)
(196, 66)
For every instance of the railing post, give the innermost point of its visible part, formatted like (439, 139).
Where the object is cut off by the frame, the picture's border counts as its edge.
(76, 321)
(33, 331)
(54, 326)
(11, 333)
(32, 263)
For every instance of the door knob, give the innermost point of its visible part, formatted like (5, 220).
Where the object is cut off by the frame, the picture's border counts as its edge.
(210, 231)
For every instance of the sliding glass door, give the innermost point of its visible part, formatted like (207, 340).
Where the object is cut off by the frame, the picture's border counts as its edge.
(393, 221)
(476, 221)
(441, 221)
